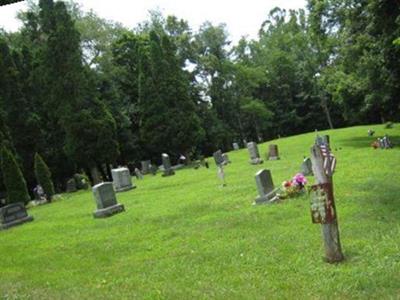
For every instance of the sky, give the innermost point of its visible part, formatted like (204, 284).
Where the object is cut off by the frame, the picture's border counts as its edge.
(243, 18)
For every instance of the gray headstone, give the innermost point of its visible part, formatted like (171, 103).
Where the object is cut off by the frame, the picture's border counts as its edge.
(218, 158)
(235, 146)
(13, 214)
(138, 174)
(254, 153)
(167, 165)
(306, 167)
(322, 140)
(225, 157)
(106, 200)
(145, 166)
(273, 153)
(71, 185)
(122, 179)
(265, 187)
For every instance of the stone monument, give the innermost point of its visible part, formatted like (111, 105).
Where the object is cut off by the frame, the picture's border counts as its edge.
(122, 179)
(218, 158)
(167, 165)
(106, 201)
(254, 153)
(13, 214)
(235, 146)
(265, 187)
(145, 166)
(273, 153)
(306, 167)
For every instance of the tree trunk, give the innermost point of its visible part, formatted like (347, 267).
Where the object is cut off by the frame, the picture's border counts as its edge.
(324, 104)
(330, 232)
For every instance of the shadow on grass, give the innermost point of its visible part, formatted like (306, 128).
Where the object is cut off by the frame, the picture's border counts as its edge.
(366, 141)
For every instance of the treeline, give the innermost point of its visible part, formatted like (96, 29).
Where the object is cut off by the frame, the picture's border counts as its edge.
(86, 93)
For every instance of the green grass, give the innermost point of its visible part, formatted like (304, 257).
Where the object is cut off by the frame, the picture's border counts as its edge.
(186, 237)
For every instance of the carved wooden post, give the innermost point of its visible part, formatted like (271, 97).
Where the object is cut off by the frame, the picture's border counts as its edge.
(330, 229)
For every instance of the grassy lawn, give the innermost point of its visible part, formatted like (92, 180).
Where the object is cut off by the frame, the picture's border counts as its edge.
(186, 237)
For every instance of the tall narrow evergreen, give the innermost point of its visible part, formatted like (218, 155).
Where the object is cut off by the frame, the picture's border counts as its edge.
(43, 176)
(13, 179)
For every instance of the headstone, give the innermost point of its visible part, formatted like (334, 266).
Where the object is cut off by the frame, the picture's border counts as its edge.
(235, 146)
(122, 179)
(265, 187)
(106, 201)
(153, 169)
(225, 157)
(138, 174)
(386, 143)
(145, 166)
(218, 158)
(306, 167)
(13, 214)
(167, 165)
(371, 132)
(254, 154)
(322, 140)
(71, 185)
(273, 153)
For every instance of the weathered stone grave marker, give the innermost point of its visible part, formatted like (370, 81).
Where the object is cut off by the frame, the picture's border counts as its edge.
(306, 167)
(167, 165)
(225, 157)
(218, 158)
(235, 146)
(71, 186)
(254, 153)
(106, 201)
(265, 187)
(273, 153)
(122, 179)
(138, 174)
(13, 214)
(146, 164)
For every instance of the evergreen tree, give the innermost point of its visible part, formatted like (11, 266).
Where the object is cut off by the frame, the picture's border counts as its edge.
(13, 179)
(43, 176)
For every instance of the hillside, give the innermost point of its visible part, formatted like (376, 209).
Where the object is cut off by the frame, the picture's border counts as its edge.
(185, 236)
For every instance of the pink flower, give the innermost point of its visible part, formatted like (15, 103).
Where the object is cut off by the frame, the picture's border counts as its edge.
(299, 179)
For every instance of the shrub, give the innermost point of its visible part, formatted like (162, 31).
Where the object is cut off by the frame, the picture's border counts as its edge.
(13, 179)
(389, 125)
(43, 176)
(81, 181)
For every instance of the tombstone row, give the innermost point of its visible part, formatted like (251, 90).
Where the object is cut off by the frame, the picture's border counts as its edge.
(255, 159)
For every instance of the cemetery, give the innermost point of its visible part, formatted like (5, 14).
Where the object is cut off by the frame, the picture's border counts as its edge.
(202, 150)
(188, 237)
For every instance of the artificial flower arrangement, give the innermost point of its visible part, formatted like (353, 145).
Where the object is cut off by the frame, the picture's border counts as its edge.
(294, 187)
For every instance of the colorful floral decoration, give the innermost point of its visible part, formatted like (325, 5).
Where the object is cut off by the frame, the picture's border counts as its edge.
(294, 187)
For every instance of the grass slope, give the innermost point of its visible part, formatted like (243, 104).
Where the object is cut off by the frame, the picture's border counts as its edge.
(185, 237)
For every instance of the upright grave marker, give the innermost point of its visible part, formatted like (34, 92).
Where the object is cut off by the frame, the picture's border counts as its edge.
(146, 164)
(306, 167)
(265, 187)
(225, 157)
(273, 153)
(254, 153)
(167, 165)
(122, 179)
(323, 209)
(106, 201)
(235, 146)
(13, 214)
(218, 158)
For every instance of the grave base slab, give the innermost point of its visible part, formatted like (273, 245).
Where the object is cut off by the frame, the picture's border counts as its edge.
(16, 222)
(109, 211)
